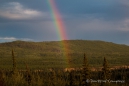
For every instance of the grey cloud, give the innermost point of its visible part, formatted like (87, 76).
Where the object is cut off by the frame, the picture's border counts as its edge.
(9, 39)
(111, 10)
(16, 11)
(84, 19)
(44, 30)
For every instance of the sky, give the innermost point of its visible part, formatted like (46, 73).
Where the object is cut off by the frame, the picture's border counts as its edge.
(31, 20)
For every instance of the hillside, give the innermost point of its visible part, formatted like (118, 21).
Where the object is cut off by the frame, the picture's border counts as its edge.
(48, 53)
(73, 45)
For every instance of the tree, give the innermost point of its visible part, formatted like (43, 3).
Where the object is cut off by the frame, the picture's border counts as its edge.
(105, 70)
(28, 76)
(71, 78)
(53, 78)
(2, 82)
(14, 62)
(85, 72)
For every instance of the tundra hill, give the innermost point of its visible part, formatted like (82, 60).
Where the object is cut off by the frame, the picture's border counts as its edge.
(52, 52)
(73, 46)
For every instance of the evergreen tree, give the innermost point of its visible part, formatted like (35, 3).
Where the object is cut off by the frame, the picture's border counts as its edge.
(16, 76)
(85, 72)
(28, 75)
(105, 70)
(71, 78)
(14, 62)
(105, 73)
(53, 78)
(2, 82)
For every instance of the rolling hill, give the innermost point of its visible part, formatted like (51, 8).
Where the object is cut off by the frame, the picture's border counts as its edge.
(51, 53)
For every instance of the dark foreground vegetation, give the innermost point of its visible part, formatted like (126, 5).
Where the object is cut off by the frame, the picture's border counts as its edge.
(62, 78)
(83, 76)
(29, 66)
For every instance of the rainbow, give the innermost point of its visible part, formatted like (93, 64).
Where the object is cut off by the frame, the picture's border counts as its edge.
(60, 27)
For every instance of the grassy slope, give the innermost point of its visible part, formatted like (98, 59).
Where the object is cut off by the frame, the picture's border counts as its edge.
(50, 54)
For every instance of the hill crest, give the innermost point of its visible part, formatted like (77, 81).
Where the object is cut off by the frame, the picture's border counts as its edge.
(73, 46)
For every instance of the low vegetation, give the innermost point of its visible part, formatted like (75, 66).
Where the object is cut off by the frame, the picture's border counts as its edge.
(51, 55)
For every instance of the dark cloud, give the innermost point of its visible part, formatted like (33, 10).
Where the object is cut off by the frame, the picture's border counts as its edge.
(15, 11)
(84, 19)
(108, 10)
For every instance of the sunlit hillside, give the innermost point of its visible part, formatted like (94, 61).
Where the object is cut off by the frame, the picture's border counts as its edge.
(51, 54)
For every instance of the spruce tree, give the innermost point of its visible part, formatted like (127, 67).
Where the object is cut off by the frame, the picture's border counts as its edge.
(105, 70)
(71, 78)
(28, 75)
(85, 72)
(2, 82)
(15, 73)
(53, 78)
(14, 62)
(105, 73)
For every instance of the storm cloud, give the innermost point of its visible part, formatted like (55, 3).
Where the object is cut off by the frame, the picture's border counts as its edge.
(85, 19)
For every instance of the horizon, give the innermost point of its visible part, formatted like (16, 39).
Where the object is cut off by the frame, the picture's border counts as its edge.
(61, 40)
